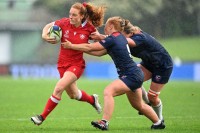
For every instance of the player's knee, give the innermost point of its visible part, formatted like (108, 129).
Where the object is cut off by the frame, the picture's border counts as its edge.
(107, 92)
(153, 96)
(58, 91)
(139, 106)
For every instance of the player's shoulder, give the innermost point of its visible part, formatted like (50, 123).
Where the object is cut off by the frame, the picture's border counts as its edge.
(139, 36)
(115, 34)
(65, 21)
(62, 22)
(114, 38)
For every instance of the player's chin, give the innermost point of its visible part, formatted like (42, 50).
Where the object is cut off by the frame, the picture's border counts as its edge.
(72, 22)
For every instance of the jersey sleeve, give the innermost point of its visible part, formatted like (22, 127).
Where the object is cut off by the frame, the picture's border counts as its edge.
(138, 39)
(107, 42)
(60, 22)
(93, 29)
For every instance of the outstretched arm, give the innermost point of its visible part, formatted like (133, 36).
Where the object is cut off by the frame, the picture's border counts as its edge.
(85, 47)
(97, 53)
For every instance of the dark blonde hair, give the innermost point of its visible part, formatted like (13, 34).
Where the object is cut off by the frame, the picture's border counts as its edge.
(130, 28)
(118, 22)
(93, 13)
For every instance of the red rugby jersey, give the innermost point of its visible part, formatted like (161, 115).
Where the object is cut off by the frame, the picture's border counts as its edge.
(76, 35)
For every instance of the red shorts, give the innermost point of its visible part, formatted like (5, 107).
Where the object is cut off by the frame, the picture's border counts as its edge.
(78, 71)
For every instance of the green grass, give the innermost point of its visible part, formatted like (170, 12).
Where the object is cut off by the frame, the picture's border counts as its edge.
(186, 48)
(20, 99)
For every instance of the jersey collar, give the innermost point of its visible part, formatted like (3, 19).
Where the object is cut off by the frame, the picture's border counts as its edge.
(84, 23)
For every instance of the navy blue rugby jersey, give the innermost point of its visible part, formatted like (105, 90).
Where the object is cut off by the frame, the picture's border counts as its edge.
(150, 51)
(117, 47)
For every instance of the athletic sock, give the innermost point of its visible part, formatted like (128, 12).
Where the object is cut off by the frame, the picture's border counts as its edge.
(157, 123)
(144, 95)
(50, 105)
(106, 121)
(158, 110)
(85, 97)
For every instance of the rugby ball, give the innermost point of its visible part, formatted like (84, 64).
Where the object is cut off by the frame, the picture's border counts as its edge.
(56, 32)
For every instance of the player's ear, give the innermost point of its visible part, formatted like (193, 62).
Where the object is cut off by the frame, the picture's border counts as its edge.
(131, 34)
(111, 26)
(82, 17)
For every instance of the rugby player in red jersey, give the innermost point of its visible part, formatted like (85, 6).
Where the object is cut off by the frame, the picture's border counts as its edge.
(83, 18)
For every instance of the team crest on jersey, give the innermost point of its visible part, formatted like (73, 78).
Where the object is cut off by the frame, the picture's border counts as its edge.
(82, 36)
(66, 34)
(123, 77)
(158, 77)
(103, 41)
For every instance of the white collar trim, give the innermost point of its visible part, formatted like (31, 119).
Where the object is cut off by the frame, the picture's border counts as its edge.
(84, 23)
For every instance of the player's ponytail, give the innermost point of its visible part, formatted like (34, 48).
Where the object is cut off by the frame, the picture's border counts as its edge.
(130, 28)
(95, 14)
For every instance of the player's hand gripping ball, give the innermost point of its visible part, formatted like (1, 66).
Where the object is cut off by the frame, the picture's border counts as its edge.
(56, 32)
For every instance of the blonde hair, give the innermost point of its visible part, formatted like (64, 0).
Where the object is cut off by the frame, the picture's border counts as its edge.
(118, 22)
(129, 28)
(95, 14)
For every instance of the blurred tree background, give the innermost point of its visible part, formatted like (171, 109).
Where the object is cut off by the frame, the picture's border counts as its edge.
(22, 21)
(161, 18)
(175, 23)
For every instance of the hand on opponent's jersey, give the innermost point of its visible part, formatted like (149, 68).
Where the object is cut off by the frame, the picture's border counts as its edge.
(97, 36)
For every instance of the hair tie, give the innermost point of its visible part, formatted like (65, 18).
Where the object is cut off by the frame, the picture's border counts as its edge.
(123, 23)
(84, 4)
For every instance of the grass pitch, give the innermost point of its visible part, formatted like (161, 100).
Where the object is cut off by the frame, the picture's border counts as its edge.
(20, 99)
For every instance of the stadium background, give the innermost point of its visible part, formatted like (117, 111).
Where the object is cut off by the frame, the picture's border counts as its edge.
(23, 54)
